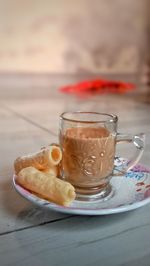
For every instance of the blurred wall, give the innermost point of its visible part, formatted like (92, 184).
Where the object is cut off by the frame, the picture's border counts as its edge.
(73, 36)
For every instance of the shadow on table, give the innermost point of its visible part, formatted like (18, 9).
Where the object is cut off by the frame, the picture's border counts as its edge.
(21, 212)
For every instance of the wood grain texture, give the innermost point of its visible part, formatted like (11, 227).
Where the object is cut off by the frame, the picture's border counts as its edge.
(33, 236)
(109, 240)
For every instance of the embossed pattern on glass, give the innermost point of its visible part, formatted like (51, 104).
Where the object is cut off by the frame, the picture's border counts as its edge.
(88, 155)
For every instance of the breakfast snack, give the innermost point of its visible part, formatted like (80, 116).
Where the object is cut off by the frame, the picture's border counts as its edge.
(46, 185)
(47, 159)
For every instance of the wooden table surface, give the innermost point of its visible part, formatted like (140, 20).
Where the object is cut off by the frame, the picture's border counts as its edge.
(29, 235)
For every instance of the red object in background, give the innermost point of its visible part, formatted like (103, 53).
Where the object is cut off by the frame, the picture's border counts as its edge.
(97, 87)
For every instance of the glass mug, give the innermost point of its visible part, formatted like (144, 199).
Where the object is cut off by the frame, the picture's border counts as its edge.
(88, 142)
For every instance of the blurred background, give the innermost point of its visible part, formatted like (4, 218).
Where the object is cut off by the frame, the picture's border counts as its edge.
(50, 37)
(46, 44)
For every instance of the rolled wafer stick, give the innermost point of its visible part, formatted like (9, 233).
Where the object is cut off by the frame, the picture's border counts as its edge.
(53, 170)
(46, 185)
(46, 159)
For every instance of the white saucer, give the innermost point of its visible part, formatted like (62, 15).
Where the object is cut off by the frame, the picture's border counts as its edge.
(131, 191)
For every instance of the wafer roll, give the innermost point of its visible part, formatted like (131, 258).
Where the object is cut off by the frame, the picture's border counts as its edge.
(46, 159)
(46, 185)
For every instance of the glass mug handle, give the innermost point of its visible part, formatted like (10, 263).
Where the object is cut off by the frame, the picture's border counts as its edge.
(139, 142)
